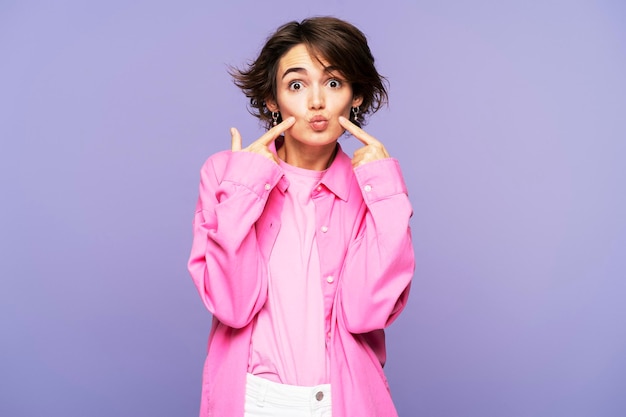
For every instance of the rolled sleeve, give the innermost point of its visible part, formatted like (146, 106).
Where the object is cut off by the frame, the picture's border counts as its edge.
(380, 180)
(255, 172)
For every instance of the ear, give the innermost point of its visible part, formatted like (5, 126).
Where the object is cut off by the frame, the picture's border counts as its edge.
(357, 101)
(271, 105)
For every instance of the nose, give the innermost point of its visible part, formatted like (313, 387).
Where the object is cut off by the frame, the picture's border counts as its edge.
(316, 97)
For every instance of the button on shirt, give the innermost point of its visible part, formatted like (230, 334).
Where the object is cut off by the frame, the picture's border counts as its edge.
(288, 340)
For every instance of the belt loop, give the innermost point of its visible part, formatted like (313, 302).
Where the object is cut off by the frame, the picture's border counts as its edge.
(260, 400)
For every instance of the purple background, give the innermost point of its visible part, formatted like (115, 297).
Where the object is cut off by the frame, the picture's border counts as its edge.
(508, 118)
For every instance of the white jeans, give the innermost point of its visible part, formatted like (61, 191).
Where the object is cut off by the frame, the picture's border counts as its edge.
(266, 398)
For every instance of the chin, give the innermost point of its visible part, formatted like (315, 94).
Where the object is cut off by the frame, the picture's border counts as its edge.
(322, 140)
(313, 138)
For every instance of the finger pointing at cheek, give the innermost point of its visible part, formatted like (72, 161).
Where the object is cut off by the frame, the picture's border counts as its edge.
(261, 145)
(357, 132)
(372, 149)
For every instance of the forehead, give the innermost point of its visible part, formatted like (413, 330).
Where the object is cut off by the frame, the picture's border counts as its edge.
(299, 56)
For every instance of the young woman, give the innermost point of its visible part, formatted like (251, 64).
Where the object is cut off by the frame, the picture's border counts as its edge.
(301, 253)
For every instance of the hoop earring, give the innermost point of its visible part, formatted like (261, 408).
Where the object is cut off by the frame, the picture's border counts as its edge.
(275, 115)
(355, 113)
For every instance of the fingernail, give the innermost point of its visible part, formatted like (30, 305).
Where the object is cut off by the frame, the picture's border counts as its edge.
(232, 130)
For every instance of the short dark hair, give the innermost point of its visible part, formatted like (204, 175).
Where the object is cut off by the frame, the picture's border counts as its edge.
(340, 43)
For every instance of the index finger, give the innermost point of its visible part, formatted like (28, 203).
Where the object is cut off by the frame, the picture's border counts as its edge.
(269, 136)
(357, 132)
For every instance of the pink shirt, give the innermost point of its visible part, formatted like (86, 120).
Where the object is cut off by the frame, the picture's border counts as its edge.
(288, 341)
(364, 243)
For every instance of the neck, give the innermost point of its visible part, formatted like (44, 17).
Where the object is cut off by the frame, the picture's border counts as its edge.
(315, 158)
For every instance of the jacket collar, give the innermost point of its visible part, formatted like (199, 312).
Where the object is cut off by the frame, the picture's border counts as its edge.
(339, 174)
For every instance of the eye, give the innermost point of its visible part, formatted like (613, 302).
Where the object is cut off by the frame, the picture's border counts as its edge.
(334, 83)
(295, 85)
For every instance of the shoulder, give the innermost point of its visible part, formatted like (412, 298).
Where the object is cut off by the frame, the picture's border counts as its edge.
(212, 170)
(217, 160)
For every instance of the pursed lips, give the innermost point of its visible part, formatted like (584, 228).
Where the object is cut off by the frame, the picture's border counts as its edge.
(318, 122)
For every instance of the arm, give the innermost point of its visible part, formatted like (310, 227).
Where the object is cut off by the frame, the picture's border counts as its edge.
(225, 262)
(380, 263)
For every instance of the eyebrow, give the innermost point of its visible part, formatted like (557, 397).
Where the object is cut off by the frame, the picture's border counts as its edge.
(290, 70)
(329, 69)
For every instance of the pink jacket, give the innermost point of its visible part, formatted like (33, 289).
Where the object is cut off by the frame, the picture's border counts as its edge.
(364, 241)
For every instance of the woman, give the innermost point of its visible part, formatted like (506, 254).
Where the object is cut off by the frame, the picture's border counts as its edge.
(302, 254)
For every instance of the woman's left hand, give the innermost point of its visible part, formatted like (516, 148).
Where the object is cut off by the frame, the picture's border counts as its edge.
(373, 150)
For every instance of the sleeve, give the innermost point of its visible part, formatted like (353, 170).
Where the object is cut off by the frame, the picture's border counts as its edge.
(380, 262)
(225, 262)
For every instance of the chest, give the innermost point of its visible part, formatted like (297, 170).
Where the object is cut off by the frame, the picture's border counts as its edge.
(337, 223)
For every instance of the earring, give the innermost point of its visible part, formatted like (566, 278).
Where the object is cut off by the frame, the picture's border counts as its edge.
(275, 115)
(355, 113)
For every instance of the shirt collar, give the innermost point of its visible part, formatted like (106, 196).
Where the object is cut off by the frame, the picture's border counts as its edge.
(336, 178)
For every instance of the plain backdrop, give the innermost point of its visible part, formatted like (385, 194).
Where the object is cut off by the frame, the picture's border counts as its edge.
(508, 118)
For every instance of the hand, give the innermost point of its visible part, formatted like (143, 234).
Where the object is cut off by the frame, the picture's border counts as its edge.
(372, 150)
(261, 145)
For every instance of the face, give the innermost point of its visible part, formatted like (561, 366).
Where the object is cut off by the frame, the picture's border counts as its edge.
(315, 94)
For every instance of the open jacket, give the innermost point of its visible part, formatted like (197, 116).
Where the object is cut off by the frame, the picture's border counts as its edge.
(364, 242)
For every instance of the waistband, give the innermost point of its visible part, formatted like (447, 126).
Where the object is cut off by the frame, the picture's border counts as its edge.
(267, 391)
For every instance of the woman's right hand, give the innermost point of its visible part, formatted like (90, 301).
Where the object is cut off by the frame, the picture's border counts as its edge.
(261, 145)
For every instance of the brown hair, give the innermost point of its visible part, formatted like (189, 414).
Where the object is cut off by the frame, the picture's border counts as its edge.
(336, 41)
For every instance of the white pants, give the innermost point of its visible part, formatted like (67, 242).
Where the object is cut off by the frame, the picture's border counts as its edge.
(266, 398)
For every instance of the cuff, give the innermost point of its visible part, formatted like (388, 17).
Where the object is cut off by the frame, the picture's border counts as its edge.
(380, 179)
(253, 171)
